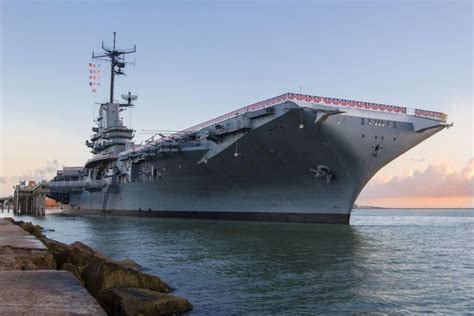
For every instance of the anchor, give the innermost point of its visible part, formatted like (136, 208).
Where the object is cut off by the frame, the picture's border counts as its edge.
(323, 172)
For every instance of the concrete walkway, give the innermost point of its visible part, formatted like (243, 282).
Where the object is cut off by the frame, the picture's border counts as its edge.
(38, 292)
(14, 236)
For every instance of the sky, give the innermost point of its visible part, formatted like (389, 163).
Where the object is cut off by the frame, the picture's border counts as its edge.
(197, 60)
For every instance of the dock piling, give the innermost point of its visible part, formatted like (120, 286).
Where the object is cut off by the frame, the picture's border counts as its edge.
(29, 199)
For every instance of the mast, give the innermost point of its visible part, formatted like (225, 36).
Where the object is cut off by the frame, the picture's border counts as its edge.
(111, 136)
(112, 71)
(116, 57)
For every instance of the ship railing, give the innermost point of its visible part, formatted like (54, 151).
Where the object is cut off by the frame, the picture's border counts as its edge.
(316, 100)
(77, 184)
(101, 156)
(322, 101)
(73, 168)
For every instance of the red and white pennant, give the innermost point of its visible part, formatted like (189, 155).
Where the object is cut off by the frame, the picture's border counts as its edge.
(94, 76)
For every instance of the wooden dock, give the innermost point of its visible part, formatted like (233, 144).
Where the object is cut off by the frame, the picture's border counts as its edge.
(6, 203)
(26, 200)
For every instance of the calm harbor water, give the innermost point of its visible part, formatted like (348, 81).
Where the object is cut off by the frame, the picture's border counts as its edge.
(386, 261)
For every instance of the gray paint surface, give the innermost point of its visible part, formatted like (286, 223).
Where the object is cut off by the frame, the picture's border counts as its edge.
(260, 161)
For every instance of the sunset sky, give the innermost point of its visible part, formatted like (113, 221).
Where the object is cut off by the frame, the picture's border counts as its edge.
(197, 60)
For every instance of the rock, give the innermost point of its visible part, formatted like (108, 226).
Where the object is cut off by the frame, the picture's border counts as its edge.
(25, 259)
(129, 264)
(34, 230)
(74, 257)
(133, 301)
(117, 285)
(100, 274)
(11, 220)
(84, 248)
(74, 269)
(81, 254)
(59, 250)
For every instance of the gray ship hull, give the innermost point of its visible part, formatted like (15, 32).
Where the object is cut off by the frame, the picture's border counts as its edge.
(293, 166)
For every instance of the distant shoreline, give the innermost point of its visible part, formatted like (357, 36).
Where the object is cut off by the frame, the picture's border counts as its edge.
(410, 208)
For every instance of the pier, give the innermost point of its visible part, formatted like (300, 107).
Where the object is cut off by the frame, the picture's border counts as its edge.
(6, 203)
(28, 199)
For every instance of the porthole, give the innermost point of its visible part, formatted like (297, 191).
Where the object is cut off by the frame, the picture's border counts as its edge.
(375, 137)
(394, 139)
(363, 135)
(381, 137)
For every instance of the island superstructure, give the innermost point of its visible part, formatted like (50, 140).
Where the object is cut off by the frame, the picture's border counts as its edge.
(294, 157)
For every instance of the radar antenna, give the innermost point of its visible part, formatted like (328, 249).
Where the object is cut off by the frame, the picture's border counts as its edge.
(129, 98)
(116, 57)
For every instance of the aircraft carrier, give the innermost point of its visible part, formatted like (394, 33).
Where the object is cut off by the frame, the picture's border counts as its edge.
(293, 157)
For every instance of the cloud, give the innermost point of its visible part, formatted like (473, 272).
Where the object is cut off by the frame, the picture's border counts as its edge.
(45, 172)
(435, 181)
(417, 159)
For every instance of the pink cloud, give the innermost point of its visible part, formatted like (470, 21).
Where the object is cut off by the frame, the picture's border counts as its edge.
(45, 172)
(436, 180)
